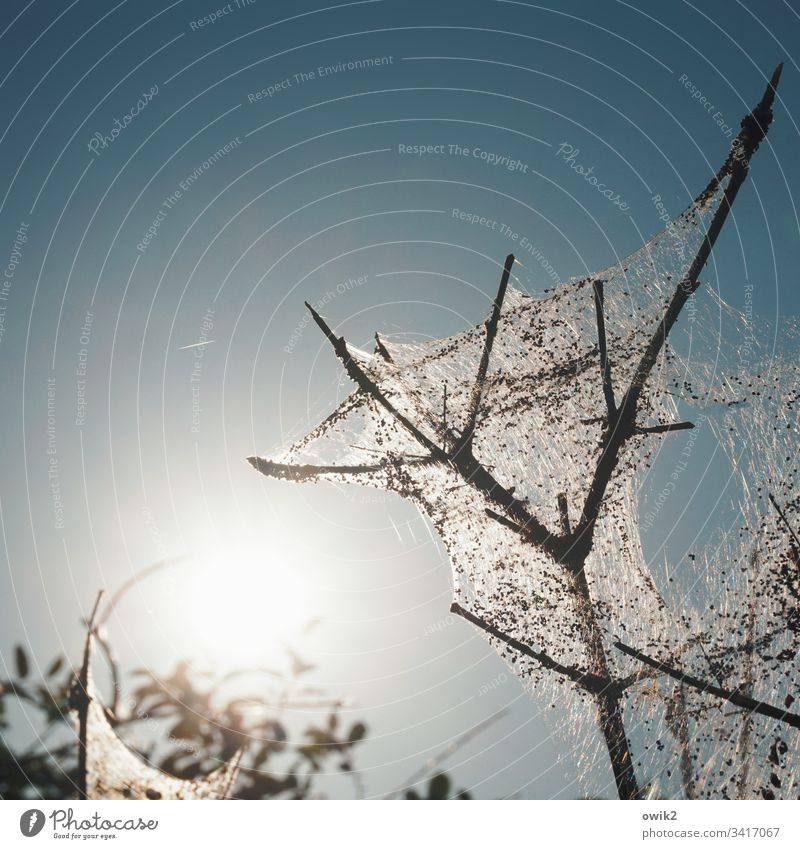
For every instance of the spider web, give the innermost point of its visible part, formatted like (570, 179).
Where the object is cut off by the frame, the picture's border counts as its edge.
(113, 771)
(541, 414)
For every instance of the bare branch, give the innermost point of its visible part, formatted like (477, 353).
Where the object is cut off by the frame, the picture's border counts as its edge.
(483, 366)
(113, 665)
(754, 128)
(636, 678)
(736, 166)
(305, 472)
(735, 697)
(605, 365)
(665, 428)
(552, 545)
(381, 349)
(460, 460)
(80, 697)
(586, 680)
(505, 522)
(366, 384)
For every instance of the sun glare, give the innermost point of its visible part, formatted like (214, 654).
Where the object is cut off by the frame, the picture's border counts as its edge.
(245, 602)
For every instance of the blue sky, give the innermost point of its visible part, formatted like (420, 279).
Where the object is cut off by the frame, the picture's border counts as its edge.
(263, 180)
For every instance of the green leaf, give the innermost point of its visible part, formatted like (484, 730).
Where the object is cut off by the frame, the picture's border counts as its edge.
(21, 661)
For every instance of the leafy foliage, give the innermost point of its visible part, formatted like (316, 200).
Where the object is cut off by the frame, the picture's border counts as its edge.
(191, 725)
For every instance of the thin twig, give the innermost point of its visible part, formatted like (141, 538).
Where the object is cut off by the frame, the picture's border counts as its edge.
(366, 384)
(82, 687)
(483, 366)
(605, 364)
(132, 581)
(736, 166)
(381, 349)
(665, 428)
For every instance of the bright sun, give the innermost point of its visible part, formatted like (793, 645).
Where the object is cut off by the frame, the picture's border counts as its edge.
(243, 602)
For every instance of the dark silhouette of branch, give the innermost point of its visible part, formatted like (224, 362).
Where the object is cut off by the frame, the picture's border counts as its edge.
(605, 364)
(113, 665)
(81, 698)
(735, 697)
(665, 428)
(461, 460)
(636, 678)
(736, 166)
(366, 384)
(483, 366)
(572, 548)
(381, 349)
(505, 522)
(585, 680)
(305, 472)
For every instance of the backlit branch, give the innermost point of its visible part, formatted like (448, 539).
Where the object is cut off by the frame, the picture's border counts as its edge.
(585, 680)
(306, 472)
(735, 697)
(381, 349)
(665, 428)
(483, 366)
(736, 166)
(461, 461)
(605, 364)
(366, 384)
